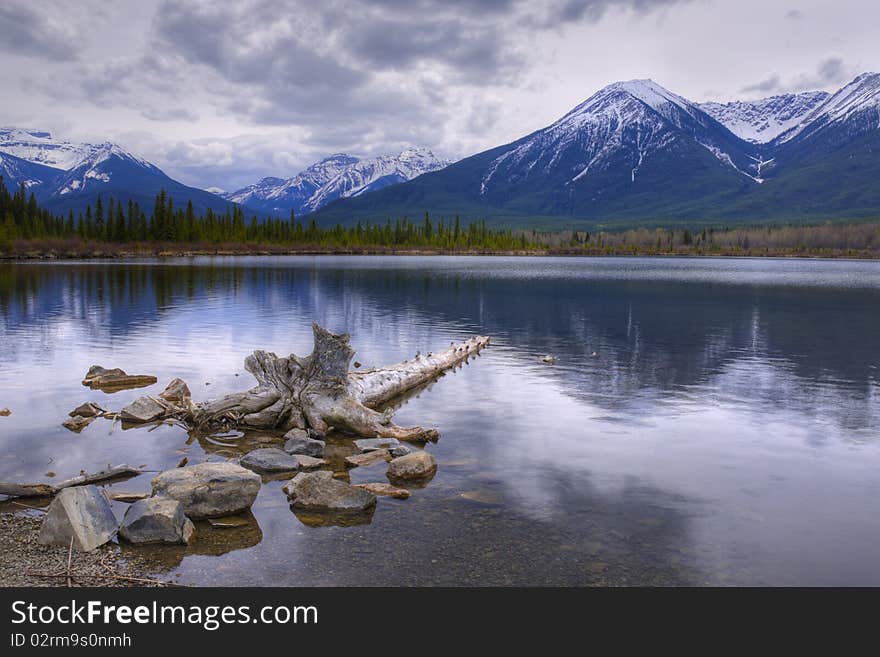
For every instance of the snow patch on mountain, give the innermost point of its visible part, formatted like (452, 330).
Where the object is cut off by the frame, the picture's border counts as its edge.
(761, 121)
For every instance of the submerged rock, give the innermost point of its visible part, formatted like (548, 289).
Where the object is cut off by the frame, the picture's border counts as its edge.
(5, 412)
(297, 443)
(142, 409)
(177, 391)
(386, 490)
(416, 466)
(77, 423)
(272, 459)
(367, 458)
(87, 409)
(319, 492)
(156, 520)
(372, 444)
(209, 490)
(81, 513)
(548, 359)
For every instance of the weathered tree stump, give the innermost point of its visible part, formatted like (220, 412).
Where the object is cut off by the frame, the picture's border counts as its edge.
(319, 392)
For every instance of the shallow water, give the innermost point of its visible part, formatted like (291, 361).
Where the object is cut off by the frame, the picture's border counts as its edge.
(727, 431)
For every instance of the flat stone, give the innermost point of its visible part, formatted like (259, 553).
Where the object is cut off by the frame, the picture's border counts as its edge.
(209, 490)
(298, 444)
(272, 459)
(156, 520)
(319, 492)
(177, 391)
(81, 513)
(77, 423)
(386, 490)
(367, 458)
(115, 379)
(142, 409)
(418, 465)
(125, 496)
(372, 444)
(88, 409)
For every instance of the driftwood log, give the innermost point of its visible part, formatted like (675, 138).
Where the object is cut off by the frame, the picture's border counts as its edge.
(319, 392)
(47, 490)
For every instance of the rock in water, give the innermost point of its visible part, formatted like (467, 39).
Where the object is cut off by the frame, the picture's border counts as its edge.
(177, 391)
(80, 512)
(156, 520)
(142, 409)
(209, 490)
(299, 444)
(77, 423)
(96, 372)
(319, 492)
(115, 379)
(367, 458)
(88, 409)
(272, 459)
(401, 450)
(385, 489)
(415, 466)
(372, 444)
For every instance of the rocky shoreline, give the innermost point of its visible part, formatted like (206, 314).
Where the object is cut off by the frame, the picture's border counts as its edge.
(26, 562)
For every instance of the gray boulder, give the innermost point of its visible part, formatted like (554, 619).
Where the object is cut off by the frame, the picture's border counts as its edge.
(209, 490)
(177, 391)
(156, 520)
(373, 444)
(272, 459)
(415, 466)
(319, 492)
(142, 409)
(81, 513)
(299, 444)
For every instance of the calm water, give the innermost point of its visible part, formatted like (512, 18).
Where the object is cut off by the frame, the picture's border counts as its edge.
(726, 432)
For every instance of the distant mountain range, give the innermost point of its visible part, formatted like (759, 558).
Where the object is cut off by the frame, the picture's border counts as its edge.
(634, 152)
(637, 153)
(335, 177)
(66, 176)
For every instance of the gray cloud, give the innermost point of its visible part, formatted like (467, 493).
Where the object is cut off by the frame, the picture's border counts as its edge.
(24, 30)
(830, 72)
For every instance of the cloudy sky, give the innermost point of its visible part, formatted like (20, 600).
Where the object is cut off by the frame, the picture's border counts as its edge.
(223, 93)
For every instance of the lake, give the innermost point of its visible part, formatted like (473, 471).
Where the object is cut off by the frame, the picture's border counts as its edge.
(707, 421)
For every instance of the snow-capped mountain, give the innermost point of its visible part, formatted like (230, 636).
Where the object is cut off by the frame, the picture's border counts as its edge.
(81, 172)
(16, 172)
(639, 152)
(857, 104)
(337, 176)
(761, 121)
(619, 129)
(41, 148)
